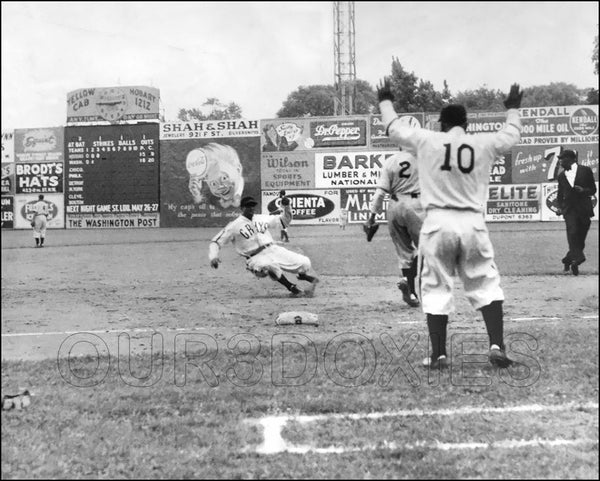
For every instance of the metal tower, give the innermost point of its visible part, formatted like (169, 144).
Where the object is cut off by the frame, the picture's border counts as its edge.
(344, 58)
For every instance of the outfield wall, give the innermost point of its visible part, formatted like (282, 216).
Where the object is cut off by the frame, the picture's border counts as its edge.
(193, 174)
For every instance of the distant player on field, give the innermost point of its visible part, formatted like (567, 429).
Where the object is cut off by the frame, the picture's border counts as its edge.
(40, 220)
(454, 175)
(343, 221)
(250, 233)
(405, 215)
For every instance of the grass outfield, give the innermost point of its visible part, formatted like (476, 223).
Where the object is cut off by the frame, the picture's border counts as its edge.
(221, 392)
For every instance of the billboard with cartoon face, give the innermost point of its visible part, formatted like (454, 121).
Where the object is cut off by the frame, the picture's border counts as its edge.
(206, 170)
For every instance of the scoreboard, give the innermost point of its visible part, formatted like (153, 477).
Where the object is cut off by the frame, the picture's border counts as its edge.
(112, 176)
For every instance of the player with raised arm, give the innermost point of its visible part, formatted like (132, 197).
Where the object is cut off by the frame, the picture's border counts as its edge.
(405, 214)
(251, 236)
(453, 176)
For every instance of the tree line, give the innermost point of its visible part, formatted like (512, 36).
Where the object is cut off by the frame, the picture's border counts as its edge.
(412, 94)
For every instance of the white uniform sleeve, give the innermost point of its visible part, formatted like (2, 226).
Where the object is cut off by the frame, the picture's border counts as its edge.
(377, 201)
(406, 137)
(510, 134)
(213, 251)
(218, 241)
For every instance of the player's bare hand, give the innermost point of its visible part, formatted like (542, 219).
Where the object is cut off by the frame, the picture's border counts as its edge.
(513, 101)
(214, 263)
(384, 90)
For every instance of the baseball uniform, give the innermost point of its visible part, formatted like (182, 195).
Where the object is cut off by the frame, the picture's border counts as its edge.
(399, 179)
(343, 220)
(40, 221)
(453, 176)
(252, 239)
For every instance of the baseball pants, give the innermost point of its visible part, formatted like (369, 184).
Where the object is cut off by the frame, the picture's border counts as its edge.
(456, 242)
(39, 226)
(405, 218)
(276, 259)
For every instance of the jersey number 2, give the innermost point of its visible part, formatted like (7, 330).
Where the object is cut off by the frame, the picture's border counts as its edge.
(404, 166)
(459, 158)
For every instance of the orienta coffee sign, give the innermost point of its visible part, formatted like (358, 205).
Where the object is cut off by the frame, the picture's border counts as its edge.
(305, 205)
(308, 206)
(112, 104)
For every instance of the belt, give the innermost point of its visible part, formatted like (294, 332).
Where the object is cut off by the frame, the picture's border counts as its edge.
(259, 250)
(414, 195)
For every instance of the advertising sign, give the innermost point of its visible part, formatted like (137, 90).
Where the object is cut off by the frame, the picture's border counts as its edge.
(39, 145)
(285, 135)
(540, 163)
(310, 207)
(209, 129)
(544, 125)
(339, 132)
(203, 180)
(24, 210)
(357, 203)
(111, 172)
(8, 178)
(349, 169)
(559, 125)
(112, 104)
(501, 169)
(8, 146)
(377, 137)
(287, 170)
(513, 202)
(8, 216)
(39, 177)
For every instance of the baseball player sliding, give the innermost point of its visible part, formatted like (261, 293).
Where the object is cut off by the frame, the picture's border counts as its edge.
(400, 180)
(250, 233)
(454, 175)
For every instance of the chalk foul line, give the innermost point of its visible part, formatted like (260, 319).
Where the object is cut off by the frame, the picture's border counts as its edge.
(274, 443)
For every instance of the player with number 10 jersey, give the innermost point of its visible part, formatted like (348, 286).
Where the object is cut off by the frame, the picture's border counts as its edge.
(454, 169)
(454, 166)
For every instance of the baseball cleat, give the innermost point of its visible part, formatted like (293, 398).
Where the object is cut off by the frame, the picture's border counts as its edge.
(440, 363)
(498, 357)
(295, 290)
(408, 296)
(575, 269)
(566, 267)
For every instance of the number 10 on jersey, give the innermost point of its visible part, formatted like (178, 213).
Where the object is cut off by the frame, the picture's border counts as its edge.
(464, 154)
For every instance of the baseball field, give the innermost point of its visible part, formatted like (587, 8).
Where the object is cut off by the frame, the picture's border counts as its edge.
(146, 363)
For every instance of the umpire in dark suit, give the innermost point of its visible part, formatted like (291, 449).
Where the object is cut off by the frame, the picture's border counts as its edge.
(575, 187)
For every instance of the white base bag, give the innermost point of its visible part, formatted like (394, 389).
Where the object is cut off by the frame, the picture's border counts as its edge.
(297, 318)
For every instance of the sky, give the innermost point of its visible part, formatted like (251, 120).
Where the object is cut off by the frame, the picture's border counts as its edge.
(256, 53)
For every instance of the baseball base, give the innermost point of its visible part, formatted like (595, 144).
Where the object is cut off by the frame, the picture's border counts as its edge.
(297, 318)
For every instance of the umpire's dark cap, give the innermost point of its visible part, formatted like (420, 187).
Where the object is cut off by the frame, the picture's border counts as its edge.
(453, 114)
(568, 154)
(248, 202)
